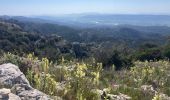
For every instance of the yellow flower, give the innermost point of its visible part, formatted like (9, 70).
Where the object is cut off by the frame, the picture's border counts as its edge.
(156, 97)
(150, 71)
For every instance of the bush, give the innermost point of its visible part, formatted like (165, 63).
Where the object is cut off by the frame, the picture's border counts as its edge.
(80, 81)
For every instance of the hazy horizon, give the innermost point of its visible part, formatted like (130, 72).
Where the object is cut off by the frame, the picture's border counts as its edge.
(62, 7)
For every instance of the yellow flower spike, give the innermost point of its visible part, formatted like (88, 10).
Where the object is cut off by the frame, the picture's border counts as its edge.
(150, 71)
(156, 97)
(30, 56)
(80, 68)
(45, 64)
(62, 59)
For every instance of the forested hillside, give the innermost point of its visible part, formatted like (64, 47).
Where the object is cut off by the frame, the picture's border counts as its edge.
(93, 63)
(122, 43)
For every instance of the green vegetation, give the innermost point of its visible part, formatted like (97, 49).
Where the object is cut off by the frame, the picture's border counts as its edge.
(80, 81)
(121, 46)
(88, 65)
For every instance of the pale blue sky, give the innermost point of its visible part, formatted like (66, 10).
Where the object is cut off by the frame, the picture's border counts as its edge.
(56, 7)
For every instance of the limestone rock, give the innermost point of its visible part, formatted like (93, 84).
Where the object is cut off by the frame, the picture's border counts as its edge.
(18, 86)
(104, 95)
(164, 97)
(119, 97)
(26, 92)
(148, 89)
(5, 94)
(11, 75)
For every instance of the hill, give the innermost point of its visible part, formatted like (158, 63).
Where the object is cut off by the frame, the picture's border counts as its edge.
(96, 20)
(103, 62)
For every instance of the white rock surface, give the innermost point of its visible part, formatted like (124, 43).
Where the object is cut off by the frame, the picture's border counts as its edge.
(11, 75)
(15, 86)
(26, 92)
(5, 94)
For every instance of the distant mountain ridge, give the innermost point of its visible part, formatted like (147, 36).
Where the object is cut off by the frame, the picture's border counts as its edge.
(96, 20)
(90, 32)
(110, 19)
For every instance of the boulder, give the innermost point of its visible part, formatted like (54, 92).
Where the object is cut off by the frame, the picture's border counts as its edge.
(11, 75)
(164, 96)
(5, 94)
(26, 92)
(119, 97)
(148, 89)
(104, 95)
(16, 86)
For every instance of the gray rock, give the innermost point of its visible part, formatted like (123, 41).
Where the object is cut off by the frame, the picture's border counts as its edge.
(119, 97)
(5, 94)
(11, 75)
(103, 95)
(164, 96)
(148, 89)
(18, 86)
(26, 92)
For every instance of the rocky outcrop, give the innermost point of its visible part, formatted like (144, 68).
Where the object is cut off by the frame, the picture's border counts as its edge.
(26, 92)
(11, 75)
(119, 97)
(148, 89)
(15, 86)
(103, 95)
(5, 94)
(164, 96)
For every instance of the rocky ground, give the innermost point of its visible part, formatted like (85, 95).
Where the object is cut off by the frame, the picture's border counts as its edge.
(15, 86)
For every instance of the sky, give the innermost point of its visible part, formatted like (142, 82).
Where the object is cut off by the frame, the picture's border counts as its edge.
(59, 7)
